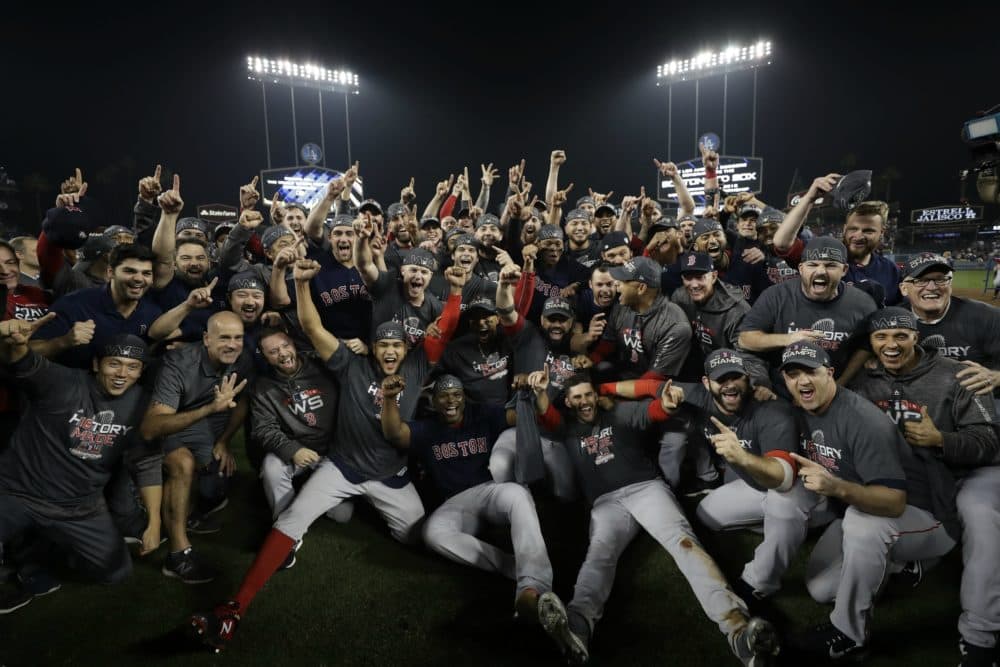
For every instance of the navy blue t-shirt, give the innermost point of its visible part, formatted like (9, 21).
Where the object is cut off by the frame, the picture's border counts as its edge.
(340, 295)
(883, 271)
(176, 292)
(458, 457)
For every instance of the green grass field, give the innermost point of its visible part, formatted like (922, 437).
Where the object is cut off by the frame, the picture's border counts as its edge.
(356, 597)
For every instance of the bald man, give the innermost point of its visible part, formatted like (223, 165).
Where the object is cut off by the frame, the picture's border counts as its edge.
(196, 408)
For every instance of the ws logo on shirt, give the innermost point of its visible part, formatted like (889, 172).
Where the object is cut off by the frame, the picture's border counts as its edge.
(632, 339)
(90, 435)
(900, 410)
(303, 404)
(816, 449)
(599, 445)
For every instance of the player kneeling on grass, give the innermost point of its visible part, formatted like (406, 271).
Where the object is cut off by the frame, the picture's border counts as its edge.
(64, 450)
(455, 447)
(362, 461)
(626, 495)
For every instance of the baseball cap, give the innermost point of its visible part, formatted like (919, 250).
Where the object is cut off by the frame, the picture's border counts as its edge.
(750, 209)
(396, 209)
(482, 303)
(420, 257)
(389, 331)
(585, 199)
(852, 189)
(605, 209)
(770, 215)
(924, 262)
(272, 234)
(342, 220)
(550, 232)
(696, 262)
(541, 206)
(578, 214)
(687, 217)
(222, 227)
(705, 226)
(613, 240)
(488, 219)
(191, 223)
(370, 205)
(822, 248)
(245, 280)
(95, 247)
(69, 226)
(724, 362)
(640, 269)
(556, 305)
(115, 230)
(804, 353)
(464, 238)
(125, 345)
(446, 382)
(430, 221)
(892, 317)
(666, 222)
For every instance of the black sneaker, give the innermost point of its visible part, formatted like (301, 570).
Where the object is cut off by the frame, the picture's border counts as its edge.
(976, 656)
(912, 574)
(290, 561)
(13, 598)
(756, 645)
(202, 524)
(221, 505)
(826, 640)
(189, 568)
(39, 583)
(700, 487)
(216, 628)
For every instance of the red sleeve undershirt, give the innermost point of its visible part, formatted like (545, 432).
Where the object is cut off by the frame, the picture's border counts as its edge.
(434, 347)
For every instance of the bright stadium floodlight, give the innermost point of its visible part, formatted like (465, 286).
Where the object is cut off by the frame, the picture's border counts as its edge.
(713, 63)
(303, 75)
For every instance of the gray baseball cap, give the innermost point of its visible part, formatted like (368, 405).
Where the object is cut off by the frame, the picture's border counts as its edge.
(396, 209)
(389, 331)
(892, 317)
(822, 248)
(550, 232)
(723, 362)
(705, 226)
(556, 305)
(804, 353)
(273, 234)
(924, 262)
(482, 303)
(639, 269)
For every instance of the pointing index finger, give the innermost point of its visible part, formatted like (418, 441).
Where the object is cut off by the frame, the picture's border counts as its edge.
(211, 285)
(157, 172)
(719, 425)
(177, 183)
(253, 183)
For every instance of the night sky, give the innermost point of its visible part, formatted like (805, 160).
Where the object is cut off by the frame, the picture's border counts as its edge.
(117, 93)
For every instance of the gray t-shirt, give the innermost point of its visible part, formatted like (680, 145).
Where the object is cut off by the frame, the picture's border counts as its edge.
(389, 304)
(784, 308)
(359, 442)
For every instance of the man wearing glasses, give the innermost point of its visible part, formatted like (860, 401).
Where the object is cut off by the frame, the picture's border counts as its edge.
(961, 329)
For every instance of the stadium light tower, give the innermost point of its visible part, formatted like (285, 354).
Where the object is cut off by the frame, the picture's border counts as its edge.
(710, 63)
(303, 75)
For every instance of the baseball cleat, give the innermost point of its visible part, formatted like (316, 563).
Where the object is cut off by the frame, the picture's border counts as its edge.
(757, 643)
(216, 628)
(552, 616)
(976, 656)
(827, 641)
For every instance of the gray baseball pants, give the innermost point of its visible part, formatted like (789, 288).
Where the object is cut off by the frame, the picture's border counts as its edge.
(979, 512)
(451, 531)
(558, 467)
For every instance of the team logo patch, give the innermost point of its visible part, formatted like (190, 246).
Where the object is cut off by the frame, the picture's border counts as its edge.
(818, 450)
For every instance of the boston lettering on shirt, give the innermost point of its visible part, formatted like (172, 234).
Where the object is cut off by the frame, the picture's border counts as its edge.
(388, 303)
(358, 441)
(95, 304)
(72, 435)
(550, 282)
(340, 295)
(607, 454)
(785, 309)
(458, 457)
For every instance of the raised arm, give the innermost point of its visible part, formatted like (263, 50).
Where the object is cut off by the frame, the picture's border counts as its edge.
(324, 342)
(394, 428)
(789, 228)
(508, 278)
(440, 192)
(489, 174)
(14, 336)
(171, 320)
(161, 419)
(364, 229)
(165, 236)
(336, 187)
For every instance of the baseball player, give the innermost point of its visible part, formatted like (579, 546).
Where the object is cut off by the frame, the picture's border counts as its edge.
(858, 460)
(817, 307)
(626, 495)
(556, 273)
(940, 418)
(455, 448)
(63, 452)
(364, 462)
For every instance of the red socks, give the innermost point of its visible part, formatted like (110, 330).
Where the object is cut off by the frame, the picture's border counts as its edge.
(269, 558)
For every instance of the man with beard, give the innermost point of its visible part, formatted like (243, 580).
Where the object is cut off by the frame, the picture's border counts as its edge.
(398, 295)
(455, 447)
(195, 410)
(293, 410)
(365, 462)
(715, 311)
(604, 220)
(401, 234)
(615, 248)
(647, 336)
(745, 270)
(277, 241)
(485, 360)
(72, 436)
(961, 329)
(863, 230)
(492, 257)
(817, 307)
(665, 245)
(941, 419)
(870, 476)
(686, 223)
(87, 318)
(755, 439)
(550, 351)
(182, 318)
(556, 273)
(780, 266)
(626, 495)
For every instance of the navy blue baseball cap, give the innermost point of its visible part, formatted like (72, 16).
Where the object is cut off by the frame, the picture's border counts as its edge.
(613, 240)
(69, 226)
(605, 209)
(370, 205)
(482, 303)
(696, 262)
(705, 226)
